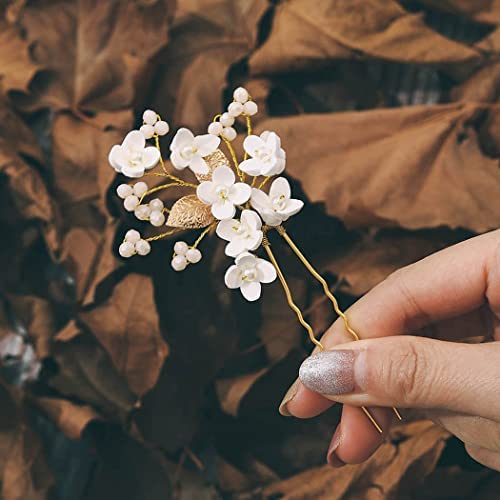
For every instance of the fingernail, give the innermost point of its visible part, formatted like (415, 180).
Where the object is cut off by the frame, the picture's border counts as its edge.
(329, 372)
(331, 456)
(290, 394)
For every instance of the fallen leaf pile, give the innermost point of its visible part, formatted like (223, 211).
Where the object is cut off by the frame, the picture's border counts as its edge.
(134, 382)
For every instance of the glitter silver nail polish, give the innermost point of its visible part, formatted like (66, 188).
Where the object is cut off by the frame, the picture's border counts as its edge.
(329, 372)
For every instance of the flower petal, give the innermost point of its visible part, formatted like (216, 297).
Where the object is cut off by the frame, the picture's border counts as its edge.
(198, 165)
(280, 187)
(206, 144)
(134, 172)
(224, 176)
(239, 193)
(266, 271)
(183, 137)
(178, 161)
(251, 219)
(206, 192)
(271, 218)
(235, 247)
(251, 290)
(253, 143)
(150, 157)
(246, 260)
(134, 140)
(117, 158)
(225, 229)
(232, 278)
(252, 167)
(259, 200)
(292, 207)
(254, 242)
(223, 209)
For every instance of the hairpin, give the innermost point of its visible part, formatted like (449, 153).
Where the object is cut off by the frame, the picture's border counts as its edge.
(227, 197)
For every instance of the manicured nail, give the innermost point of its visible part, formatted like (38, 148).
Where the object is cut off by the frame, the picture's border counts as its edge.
(290, 394)
(331, 456)
(329, 372)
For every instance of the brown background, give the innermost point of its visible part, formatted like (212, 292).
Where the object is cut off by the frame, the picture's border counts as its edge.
(129, 381)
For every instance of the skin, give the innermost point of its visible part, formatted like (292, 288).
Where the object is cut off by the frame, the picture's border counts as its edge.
(411, 355)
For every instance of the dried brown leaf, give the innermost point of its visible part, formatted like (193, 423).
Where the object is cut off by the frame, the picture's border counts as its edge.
(190, 213)
(416, 167)
(484, 11)
(95, 53)
(216, 159)
(303, 37)
(127, 327)
(71, 418)
(393, 472)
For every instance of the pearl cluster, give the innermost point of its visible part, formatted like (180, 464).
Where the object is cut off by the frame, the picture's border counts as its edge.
(152, 211)
(133, 244)
(184, 255)
(153, 125)
(241, 105)
(131, 194)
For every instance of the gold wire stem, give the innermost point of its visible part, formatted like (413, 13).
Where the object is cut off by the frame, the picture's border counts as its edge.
(164, 186)
(203, 234)
(371, 419)
(230, 148)
(288, 293)
(162, 163)
(165, 235)
(264, 182)
(249, 132)
(333, 300)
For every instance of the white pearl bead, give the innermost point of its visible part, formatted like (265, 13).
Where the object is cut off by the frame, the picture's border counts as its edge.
(226, 120)
(181, 247)
(162, 128)
(235, 109)
(133, 236)
(142, 247)
(142, 212)
(215, 128)
(156, 204)
(123, 190)
(147, 131)
(250, 108)
(157, 218)
(130, 202)
(240, 95)
(193, 255)
(126, 249)
(149, 117)
(179, 263)
(229, 133)
(140, 188)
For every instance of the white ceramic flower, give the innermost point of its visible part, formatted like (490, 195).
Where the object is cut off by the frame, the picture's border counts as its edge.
(277, 206)
(267, 156)
(132, 158)
(189, 150)
(248, 273)
(243, 235)
(223, 193)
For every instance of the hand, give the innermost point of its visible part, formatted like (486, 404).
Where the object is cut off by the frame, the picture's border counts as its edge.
(451, 295)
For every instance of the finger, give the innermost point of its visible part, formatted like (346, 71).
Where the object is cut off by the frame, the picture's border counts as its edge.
(484, 456)
(301, 402)
(471, 429)
(454, 281)
(409, 372)
(356, 439)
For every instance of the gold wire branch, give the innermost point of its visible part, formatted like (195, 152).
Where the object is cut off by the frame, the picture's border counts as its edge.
(264, 182)
(166, 234)
(288, 293)
(281, 230)
(165, 186)
(203, 234)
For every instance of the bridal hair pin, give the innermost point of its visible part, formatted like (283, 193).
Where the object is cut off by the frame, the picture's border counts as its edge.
(228, 198)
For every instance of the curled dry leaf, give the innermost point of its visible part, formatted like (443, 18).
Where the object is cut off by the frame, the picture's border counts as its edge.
(415, 167)
(127, 326)
(483, 11)
(303, 37)
(190, 213)
(412, 458)
(216, 159)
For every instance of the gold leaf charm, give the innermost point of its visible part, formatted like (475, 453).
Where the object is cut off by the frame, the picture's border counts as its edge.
(216, 159)
(189, 212)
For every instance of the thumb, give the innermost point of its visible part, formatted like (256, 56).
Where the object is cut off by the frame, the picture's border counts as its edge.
(409, 372)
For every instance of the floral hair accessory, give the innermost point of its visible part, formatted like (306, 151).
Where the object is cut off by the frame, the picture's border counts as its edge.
(227, 198)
